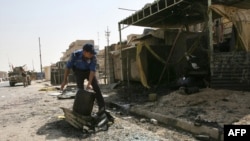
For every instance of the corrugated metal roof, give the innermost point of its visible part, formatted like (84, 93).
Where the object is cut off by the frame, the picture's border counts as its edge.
(166, 13)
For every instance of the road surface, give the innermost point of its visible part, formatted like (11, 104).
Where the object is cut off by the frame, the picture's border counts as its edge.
(27, 114)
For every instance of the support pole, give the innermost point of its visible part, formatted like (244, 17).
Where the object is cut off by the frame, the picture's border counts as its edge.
(41, 67)
(210, 34)
(120, 36)
(105, 65)
(128, 67)
(107, 34)
(169, 56)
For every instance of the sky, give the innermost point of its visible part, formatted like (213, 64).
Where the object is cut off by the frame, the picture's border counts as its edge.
(58, 23)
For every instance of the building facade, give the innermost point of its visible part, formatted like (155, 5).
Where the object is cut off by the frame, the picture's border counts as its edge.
(76, 45)
(3, 75)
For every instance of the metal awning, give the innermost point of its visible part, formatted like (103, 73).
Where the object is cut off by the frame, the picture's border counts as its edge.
(174, 13)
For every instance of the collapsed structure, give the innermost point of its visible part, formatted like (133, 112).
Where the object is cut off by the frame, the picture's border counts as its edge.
(206, 41)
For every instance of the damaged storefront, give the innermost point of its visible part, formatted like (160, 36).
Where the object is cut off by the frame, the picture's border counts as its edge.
(231, 62)
(163, 56)
(180, 52)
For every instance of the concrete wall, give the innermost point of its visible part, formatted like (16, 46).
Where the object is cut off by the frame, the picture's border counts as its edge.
(47, 72)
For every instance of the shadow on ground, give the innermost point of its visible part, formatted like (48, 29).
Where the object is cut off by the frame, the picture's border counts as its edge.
(60, 128)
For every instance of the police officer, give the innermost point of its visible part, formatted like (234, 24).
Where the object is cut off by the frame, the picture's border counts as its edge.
(83, 64)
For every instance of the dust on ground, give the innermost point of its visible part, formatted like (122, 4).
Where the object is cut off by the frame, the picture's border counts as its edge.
(210, 107)
(28, 114)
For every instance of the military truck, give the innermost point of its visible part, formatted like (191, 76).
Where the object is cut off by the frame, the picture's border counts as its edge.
(17, 76)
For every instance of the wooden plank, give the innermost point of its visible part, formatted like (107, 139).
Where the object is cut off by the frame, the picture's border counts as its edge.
(70, 118)
(76, 120)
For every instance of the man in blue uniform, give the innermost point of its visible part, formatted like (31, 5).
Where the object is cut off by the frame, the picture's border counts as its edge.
(83, 64)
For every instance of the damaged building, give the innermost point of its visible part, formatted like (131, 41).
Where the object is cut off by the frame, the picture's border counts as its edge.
(186, 42)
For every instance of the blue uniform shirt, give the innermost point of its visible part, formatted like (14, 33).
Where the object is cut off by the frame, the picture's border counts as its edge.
(77, 61)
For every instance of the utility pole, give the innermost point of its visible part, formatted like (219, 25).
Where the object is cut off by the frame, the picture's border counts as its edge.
(33, 65)
(98, 39)
(107, 34)
(41, 67)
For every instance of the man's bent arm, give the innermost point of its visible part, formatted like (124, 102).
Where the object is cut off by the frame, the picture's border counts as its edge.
(66, 74)
(91, 76)
(65, 77)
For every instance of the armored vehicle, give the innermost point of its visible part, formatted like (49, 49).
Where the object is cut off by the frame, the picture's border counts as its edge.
(19, 75)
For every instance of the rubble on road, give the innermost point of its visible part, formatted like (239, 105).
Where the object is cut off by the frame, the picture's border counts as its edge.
(205, 111)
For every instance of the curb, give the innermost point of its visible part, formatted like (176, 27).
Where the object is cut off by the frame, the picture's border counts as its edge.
(212, 132)
(209, 132)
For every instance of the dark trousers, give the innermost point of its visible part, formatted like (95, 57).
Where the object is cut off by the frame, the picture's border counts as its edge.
(81, 75)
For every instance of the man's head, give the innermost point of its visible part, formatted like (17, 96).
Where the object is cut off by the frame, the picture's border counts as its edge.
(88, 50)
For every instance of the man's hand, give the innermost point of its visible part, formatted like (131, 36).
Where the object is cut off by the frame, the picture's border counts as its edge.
(63, 84)
(91, 76)
(88, 86)
(65, 79)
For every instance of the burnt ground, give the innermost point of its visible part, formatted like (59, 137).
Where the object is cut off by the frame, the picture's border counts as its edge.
(210, 107)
